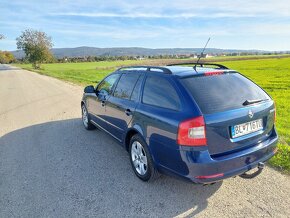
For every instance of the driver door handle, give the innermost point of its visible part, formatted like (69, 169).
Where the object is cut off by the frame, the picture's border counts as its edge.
(103, 103)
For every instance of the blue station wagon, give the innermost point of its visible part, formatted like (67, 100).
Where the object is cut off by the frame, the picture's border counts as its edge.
(203, 123)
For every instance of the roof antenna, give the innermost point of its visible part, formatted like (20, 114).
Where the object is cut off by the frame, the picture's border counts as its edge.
(201, 55)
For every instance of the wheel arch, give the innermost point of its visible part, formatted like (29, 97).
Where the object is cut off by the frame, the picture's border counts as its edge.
(132, 131)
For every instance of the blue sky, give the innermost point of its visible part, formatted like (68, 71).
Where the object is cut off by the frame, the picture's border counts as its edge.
(240, 24)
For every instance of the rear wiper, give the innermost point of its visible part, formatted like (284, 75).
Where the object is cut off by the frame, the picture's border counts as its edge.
(248, 102)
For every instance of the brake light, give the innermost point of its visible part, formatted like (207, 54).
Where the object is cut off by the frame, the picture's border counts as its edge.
(192, 132)
(213, 73)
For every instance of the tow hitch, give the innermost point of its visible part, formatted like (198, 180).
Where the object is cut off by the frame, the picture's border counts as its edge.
(256, 173)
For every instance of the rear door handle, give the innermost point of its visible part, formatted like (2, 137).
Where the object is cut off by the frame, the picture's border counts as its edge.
(128, 112)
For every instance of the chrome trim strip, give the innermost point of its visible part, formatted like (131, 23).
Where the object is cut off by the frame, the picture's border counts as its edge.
(108, 122)
(97, 125)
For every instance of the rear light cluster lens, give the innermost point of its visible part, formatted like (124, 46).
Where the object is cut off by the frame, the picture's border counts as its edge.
(192, 132)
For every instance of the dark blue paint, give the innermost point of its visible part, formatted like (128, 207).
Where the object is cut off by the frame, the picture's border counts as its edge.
(159, 127)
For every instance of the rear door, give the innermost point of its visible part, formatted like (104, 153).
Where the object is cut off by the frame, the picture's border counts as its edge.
(121, 105)
(238, 113)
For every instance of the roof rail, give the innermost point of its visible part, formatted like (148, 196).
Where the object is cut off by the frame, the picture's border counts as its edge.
(200, 64)
(148, 68)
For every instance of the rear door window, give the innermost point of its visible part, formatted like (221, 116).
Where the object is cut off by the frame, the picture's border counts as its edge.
(159, 92)
(136, 90)
(222, 92)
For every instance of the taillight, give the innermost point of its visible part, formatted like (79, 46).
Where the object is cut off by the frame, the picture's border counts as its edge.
(192, 132)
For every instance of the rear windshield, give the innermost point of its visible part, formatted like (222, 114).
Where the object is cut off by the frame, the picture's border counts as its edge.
(222, 92)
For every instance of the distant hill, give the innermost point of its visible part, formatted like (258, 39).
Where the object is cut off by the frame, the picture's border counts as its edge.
(132, 51)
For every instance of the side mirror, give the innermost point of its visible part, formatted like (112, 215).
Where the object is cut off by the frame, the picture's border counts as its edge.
(89, 89)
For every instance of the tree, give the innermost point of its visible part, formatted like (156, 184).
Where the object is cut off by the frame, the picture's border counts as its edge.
(2, 36)
(6, 57)
(36, 46)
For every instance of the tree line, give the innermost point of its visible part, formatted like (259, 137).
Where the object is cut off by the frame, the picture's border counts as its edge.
(37, 48)
(113, 58)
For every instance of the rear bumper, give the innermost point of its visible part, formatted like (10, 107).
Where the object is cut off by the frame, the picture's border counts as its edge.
(201, 164)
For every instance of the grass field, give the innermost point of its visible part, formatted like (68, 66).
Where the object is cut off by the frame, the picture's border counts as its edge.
(93, 72)
(272, 74)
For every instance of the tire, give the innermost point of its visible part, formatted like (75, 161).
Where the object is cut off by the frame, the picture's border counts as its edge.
(86, 119)
(141, 159)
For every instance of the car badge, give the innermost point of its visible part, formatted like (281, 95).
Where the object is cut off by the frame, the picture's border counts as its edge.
(251, 114)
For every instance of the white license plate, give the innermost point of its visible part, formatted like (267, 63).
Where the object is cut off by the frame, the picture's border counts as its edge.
(246, 128)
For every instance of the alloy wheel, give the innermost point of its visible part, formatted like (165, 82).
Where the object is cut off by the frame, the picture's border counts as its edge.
(85, 116)
(139, 158)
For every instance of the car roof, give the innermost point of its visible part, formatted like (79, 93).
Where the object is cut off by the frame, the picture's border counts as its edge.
(180, 71)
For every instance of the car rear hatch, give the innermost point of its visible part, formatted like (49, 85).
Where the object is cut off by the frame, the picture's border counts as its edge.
(237, 113)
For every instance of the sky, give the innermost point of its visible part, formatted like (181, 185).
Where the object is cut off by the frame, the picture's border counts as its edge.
(231, 24)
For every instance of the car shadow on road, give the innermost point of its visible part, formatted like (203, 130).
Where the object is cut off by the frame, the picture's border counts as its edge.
(60, 169)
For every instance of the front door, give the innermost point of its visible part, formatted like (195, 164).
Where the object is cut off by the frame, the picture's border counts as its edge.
(98, 102)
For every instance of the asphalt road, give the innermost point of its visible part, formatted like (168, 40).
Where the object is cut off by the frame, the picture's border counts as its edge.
(50, 166)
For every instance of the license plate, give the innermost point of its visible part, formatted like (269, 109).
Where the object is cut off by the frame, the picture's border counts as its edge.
(246, 128)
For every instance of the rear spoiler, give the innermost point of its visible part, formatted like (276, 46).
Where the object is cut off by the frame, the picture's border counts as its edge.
(218, 66)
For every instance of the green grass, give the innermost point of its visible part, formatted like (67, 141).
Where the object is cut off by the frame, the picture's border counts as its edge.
(93, 72)
(79, 73)
(271, 74)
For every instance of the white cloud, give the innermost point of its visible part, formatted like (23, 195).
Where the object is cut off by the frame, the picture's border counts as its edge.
(153, 15)
(156, 8)
(182, 9)
(155, 21)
